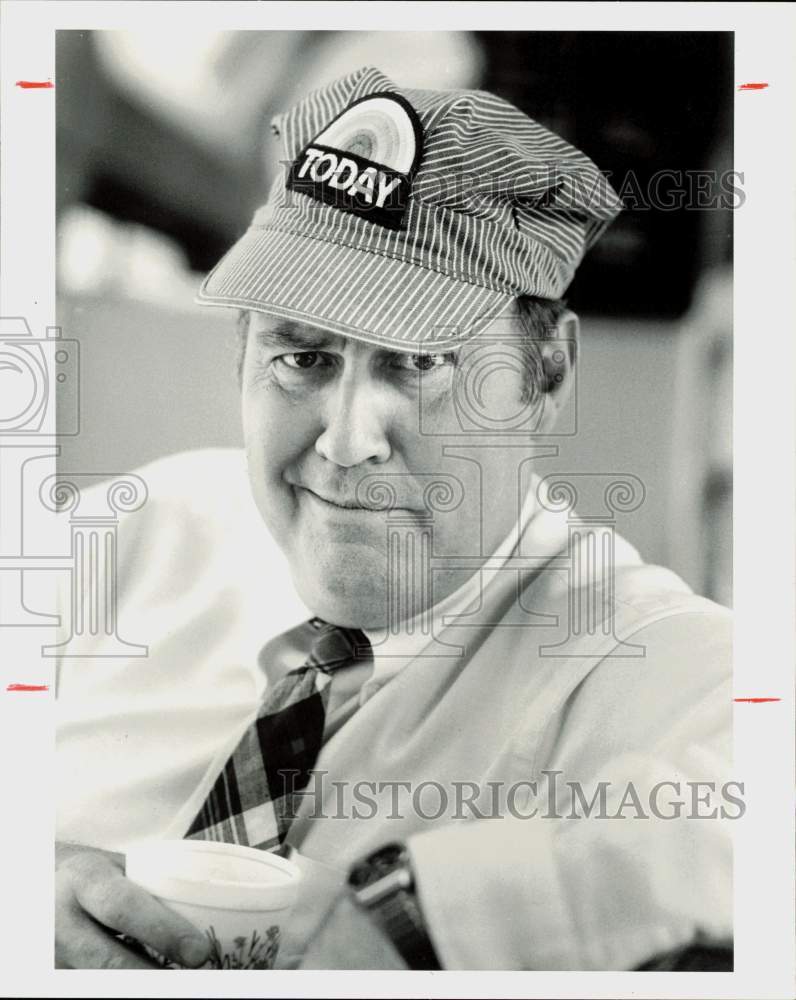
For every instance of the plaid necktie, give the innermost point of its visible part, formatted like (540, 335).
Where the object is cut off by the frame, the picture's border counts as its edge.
(255, 796)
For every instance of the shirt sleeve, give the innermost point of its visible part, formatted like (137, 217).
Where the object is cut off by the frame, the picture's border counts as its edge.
(647, 867)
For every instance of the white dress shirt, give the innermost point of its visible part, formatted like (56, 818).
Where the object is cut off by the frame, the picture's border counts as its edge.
(202, 585)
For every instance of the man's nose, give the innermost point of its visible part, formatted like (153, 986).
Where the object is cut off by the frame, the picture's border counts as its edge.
(355, 423)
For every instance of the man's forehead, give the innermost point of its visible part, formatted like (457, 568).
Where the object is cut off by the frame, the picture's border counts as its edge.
(280, 330)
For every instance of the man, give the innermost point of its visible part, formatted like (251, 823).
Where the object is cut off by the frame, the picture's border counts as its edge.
(483, 743)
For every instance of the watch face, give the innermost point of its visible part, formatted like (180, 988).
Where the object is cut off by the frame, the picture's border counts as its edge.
(376, 866)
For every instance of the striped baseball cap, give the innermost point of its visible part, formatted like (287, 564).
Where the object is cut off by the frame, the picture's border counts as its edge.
(412, 218)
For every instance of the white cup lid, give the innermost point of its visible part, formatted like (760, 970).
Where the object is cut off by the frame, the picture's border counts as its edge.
(207, 873)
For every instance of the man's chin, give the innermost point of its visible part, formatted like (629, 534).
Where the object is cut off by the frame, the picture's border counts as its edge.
(352, 593)
(349, 612)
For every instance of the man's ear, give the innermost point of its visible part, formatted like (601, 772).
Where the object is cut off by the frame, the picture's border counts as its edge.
(558, 354)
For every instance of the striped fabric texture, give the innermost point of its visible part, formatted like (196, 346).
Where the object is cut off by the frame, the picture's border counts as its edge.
(498, 207)
(255, 797)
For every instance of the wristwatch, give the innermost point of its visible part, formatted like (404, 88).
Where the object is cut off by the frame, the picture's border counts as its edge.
(383, 884)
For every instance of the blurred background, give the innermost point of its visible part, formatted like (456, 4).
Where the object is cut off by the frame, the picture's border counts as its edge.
(164, 152)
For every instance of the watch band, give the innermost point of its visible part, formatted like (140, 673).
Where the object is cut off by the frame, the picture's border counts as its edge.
(383, 884)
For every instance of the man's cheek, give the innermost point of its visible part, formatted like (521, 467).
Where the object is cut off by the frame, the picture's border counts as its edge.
(268, 454)
(272, 438)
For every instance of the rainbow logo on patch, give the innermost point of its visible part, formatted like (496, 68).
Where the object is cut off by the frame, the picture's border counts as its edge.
(364, 161)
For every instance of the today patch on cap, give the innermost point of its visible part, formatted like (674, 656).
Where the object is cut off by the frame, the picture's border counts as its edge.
(365, 160)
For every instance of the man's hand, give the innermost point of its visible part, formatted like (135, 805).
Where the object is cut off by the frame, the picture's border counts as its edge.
(94, 902)
(350, 939)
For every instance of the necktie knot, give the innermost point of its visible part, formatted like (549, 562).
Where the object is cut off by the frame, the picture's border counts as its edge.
(334, 646)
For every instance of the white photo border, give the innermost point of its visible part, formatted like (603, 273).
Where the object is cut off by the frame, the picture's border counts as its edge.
(764, 272)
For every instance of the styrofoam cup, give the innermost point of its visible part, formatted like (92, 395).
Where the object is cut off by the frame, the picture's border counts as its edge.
(238, 896)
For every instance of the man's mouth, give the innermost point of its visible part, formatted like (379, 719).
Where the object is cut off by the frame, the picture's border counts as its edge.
(347, 503)
(338, 501)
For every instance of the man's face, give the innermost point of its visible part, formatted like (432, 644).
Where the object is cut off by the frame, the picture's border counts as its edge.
(326, 420)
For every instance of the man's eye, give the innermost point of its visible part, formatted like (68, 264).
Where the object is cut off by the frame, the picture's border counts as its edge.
(301, 359)
(424, 362)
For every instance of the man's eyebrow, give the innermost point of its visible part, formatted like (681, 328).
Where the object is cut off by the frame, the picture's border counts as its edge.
(294, 338)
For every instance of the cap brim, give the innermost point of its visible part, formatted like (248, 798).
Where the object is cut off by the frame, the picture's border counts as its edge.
(352, 292)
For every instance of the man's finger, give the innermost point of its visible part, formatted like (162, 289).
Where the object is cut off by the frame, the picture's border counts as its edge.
(123, 906)
(84, 945)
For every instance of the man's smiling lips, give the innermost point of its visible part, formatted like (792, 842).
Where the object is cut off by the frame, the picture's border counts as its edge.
(346, 506)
